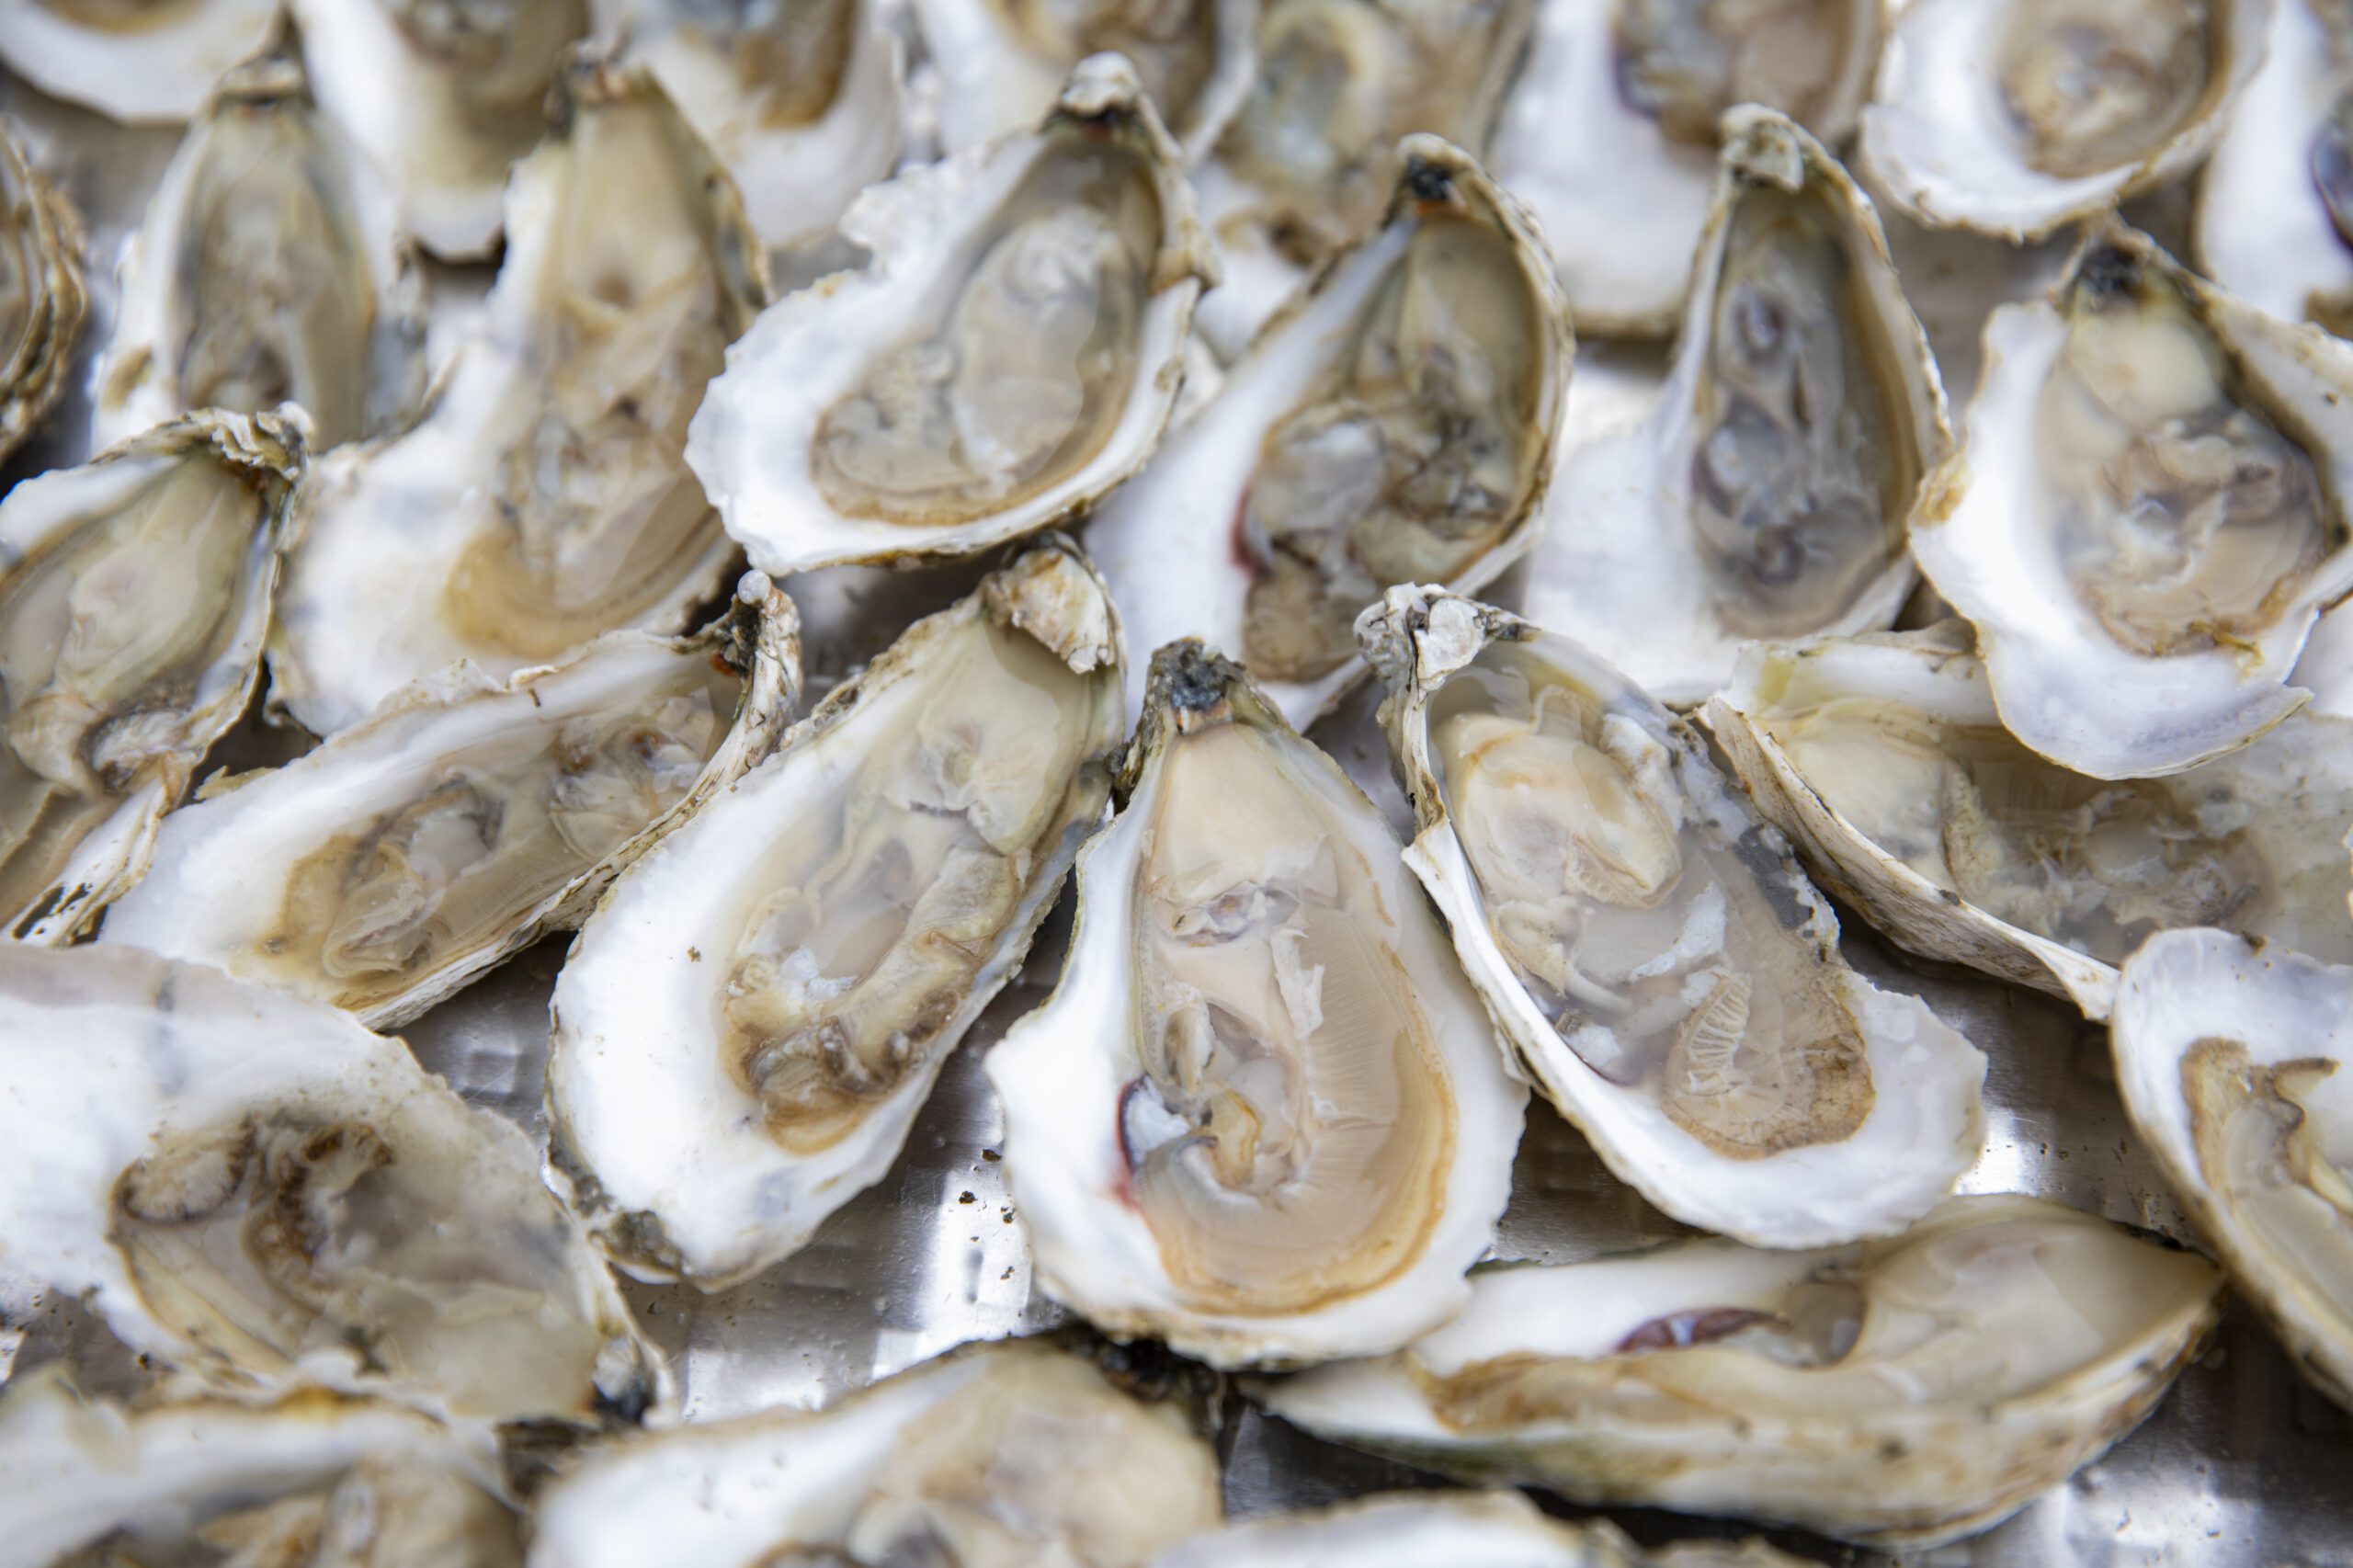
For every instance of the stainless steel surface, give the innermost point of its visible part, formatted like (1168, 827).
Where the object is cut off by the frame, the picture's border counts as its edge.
(2244, 1466)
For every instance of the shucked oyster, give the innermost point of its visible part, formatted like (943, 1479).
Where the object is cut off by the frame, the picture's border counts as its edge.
(2149, 514)
(1766, 494)
(1010, 1455)
(1009, 354)
(271, 268)
(799, 98)
(1663, 968)
(41, 292)
(1262, 1117)
(1915, 1391)
(542, 498)
(407, 855)
(132, 611)
(2235, 1061)
(1304, 167)
(141, 61)
(257, 1190)
(1884, 759)
(1459, 1529)
(311, 1482)
(1396, 428)
(1611, 134)
(754, 1014)
(443, 94)
(2016, 117)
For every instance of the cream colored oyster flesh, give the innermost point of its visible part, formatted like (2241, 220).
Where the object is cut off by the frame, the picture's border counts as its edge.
(140, 62)
(41, 299)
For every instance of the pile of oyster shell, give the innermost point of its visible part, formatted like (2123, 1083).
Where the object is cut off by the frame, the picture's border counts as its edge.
(1233, 341)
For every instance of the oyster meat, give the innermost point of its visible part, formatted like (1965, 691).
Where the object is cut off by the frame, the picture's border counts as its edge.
(1459, 1529)
(1912, 1391)
(407, 855)
(2149, 514)
(41, 300)
(1262, 1117)
(1010, 354)
(141, 61)
(2235, 1061)
(271, 268)
(253, 1189)
(133, 610)
(1767, 491)
(1007, 1455)
(542, 498)
(1396, 428)
(754, 1014)
(1662, 965)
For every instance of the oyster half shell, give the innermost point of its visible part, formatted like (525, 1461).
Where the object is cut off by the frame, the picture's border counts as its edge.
(1261, 1117)
(140, 62)
(41, 300)
(407, 855)
(2235, 1061)
(1010, 354)
(1911, 1391)
(1459, 1529)
(752, 1017)
(1767, 491)
(541, 497)
(1662, 967)
(1395, 426)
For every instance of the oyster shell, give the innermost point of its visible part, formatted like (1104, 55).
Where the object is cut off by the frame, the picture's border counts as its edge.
(2013, 118)
(541, 498)
(1914, 1391)
(140, 62)
(1884, 759)
(404, 857)
(1459, 1529)
(271, 268)
(2148, 515)
(133, 610)
(2235, 1063)
(1612, 135)
(1000, 62)
(1305, 166)
(1396, 425)
(750, 1020)
(1262, 1117)
(252, 1188)
(319, 1480)
(1010, 354)
(1767, 493)
(799, 98)
(1663, 968)
(41, 302)
(1004, 1455)
(443, 94)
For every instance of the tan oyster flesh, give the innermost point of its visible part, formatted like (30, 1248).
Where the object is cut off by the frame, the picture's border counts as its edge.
(2088, 86)
(1683, 62)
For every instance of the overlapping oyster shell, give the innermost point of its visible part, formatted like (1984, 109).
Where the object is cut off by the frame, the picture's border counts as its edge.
(1461, 1529)
(135, 60)
(41, 300)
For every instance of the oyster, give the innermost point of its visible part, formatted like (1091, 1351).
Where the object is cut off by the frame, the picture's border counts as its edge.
(1007, 1455)
(404, 857)
(443, 94)
(2236, 1062)
(1612, 135)
(312, 1480)
(754, 1014)
(1305, 166)
(133, 610)
(1459, 1529)
(1915, 1391)
(1396, 428)
(1010, 354)
(2149, 514)
(1884, 759)
(271, 268)
(1001, 62)
(2013, 118)
(255, 1189)
(1262, 1117)
(799, 98)
(1767, 493)
(541, 497)
(141, 61)
(41, 302)
(1663, 968)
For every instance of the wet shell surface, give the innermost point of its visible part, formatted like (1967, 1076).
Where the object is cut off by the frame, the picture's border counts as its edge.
(42, 297)
(140, 63)
(1460, 1530)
